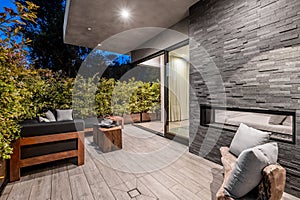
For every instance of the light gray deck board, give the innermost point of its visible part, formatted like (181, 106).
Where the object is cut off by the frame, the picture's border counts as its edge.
(157, 189)
(41, 184)
(6, 192)
(80, 188)
(102, 191)
(61, 189)
(21, 190)
(110, 176)
(183, 193)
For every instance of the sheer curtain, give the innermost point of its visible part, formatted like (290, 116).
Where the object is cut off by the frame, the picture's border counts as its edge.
(178, 89)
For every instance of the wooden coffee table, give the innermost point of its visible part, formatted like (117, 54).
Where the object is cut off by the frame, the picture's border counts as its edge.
(108, 139)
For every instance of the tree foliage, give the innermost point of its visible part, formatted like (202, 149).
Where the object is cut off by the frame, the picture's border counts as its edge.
(14, 87)
(47, 49)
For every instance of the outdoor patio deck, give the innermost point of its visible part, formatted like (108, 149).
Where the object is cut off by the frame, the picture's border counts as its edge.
(158, 168)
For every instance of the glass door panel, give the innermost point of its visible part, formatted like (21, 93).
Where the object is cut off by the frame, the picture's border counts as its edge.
(153, 69)
(178, 92)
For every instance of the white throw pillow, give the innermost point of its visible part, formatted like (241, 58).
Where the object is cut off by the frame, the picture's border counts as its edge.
(247, 171)
(43, 119)
(64, 115)
(247, 137)
(50, 116)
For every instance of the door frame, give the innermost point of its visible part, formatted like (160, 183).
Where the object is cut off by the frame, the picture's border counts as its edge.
(166, 53)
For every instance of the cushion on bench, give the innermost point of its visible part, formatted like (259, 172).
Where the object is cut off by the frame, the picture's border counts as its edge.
(46, 128)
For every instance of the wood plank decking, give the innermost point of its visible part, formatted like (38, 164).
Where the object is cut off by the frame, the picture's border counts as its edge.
(148, 167)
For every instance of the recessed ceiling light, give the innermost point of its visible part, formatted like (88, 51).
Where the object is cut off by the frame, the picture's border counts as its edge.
(89, 28)
(125, 13)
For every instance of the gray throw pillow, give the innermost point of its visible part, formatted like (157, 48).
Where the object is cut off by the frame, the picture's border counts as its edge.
(64, 115)
(277, 119)
(247, 137)
(247, 171)
(43, 119)
(50, 116)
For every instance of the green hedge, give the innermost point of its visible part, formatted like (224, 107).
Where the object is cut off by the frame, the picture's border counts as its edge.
(28, 93)
(103, 97)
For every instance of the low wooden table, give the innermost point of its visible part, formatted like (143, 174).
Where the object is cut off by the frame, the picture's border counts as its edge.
(108, 139)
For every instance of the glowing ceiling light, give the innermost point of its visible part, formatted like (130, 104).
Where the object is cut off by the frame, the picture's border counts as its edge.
(125, 13)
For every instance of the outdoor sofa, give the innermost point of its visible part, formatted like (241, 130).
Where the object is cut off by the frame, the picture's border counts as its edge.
(43, 142)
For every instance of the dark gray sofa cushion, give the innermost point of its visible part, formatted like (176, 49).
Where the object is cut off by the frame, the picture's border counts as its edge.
(29, 121)
(247, 171)
(37, 129)
(247, 137)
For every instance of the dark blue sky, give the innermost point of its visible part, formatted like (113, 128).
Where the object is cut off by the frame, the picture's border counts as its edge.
(6, 3)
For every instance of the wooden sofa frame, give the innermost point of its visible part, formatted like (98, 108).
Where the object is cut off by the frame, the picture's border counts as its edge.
(16, 163)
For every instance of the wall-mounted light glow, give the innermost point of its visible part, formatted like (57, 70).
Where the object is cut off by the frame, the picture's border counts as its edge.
(125, 13)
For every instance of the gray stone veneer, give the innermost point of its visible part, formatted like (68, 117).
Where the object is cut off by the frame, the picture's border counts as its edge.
(255, 47)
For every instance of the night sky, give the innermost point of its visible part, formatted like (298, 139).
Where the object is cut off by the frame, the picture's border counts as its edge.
(6, 3)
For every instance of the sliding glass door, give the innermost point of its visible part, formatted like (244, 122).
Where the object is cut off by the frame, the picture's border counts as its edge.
(153, 70)
(178, 92)
(174, 67)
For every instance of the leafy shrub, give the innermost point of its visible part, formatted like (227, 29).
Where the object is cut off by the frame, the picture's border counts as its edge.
(57, 90)
(110, 97)
(133, 97)
(84, 104)
(15, 86)
(11, 110)
(103, 96)
(123, 95)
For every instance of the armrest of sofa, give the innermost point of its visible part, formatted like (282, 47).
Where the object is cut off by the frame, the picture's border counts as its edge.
(228, 160)
(273, 183)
